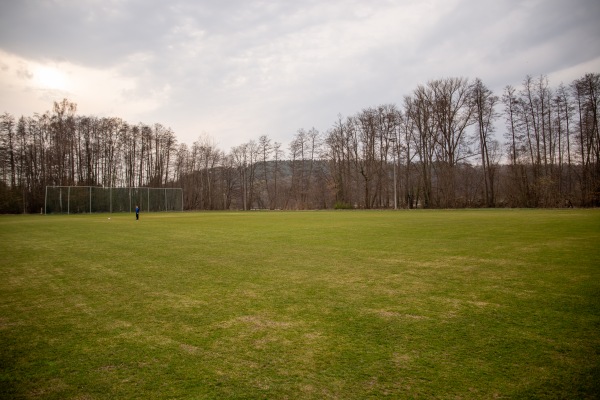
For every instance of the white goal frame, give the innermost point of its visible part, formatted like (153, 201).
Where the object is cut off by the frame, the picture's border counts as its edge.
(98, 199)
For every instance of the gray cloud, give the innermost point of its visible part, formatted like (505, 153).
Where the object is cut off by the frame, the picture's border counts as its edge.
(86, 31)
(239, 69)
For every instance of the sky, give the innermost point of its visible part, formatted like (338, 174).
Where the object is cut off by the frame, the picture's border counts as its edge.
(231, 71)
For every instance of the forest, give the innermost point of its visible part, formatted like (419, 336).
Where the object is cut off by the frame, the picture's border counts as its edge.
(450, 143)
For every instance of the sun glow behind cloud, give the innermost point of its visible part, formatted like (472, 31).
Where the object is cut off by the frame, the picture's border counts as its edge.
(50, 77)
(30, 86)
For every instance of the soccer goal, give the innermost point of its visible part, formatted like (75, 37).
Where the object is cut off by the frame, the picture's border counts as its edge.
(92, 199)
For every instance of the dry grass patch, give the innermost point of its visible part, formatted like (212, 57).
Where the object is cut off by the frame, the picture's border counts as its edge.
(386, 314)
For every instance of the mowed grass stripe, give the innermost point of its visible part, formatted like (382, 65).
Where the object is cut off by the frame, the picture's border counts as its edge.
(367, 304)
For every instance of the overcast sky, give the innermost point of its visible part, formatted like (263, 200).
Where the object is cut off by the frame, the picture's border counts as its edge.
(238, 69)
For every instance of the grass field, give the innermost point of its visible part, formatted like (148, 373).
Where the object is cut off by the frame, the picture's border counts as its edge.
(471, 304)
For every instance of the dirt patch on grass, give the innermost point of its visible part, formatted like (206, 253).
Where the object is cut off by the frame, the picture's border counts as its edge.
(111, 368)
(50, 389)
(188, 348)
(257, 322)
(387, 314)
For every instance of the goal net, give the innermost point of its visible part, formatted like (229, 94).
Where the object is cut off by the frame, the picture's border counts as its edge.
(92, 199)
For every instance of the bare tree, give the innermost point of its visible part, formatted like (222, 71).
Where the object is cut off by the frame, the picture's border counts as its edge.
(7, 148)
(277, 154)
(484, 102)
(419, 109)
(266, 148)
(245, 159)
(340, 157)
(563, 117)
(453, 114)
(404, 148)
(586, 92)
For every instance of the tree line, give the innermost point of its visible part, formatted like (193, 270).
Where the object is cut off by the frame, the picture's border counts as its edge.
(438, 149)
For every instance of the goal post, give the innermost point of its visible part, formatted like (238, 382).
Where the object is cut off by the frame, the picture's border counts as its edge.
(97, 199)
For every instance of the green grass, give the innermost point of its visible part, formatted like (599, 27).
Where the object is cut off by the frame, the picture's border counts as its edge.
(473, 304)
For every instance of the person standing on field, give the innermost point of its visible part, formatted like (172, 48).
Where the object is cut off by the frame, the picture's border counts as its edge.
(137, 212)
